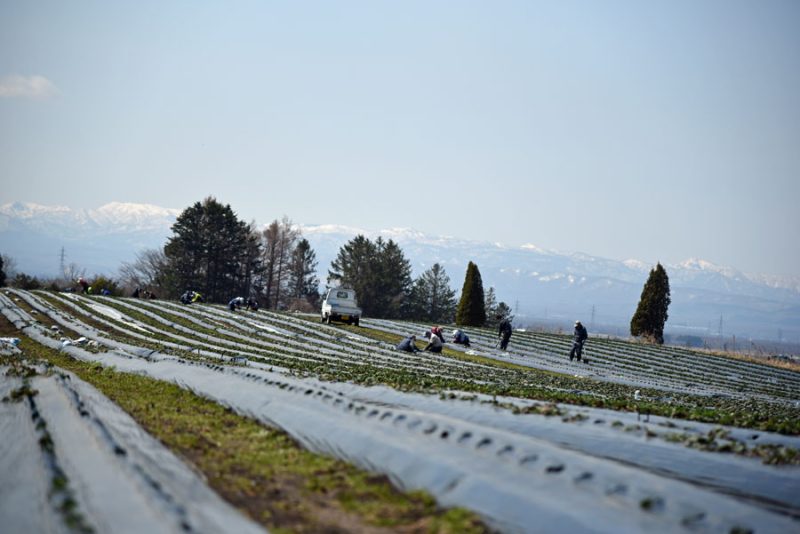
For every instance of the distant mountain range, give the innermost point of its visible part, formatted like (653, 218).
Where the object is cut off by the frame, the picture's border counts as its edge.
(541, 285)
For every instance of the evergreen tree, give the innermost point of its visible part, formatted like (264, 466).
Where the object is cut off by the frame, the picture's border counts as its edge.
(378, 272)
(391, 274)
(490, 305)
(206, 251)
(651, 313)
(352, 268)
(471, 308)
(431, 298)
(303, 281)
(251, 265)
(2, 273)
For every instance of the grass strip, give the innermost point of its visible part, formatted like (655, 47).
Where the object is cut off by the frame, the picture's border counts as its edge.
(259, 470)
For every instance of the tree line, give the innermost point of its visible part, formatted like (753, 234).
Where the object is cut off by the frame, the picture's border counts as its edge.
(219, 256)
(214, 253)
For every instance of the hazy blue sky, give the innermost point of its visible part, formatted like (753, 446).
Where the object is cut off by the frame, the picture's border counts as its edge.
(625, 129)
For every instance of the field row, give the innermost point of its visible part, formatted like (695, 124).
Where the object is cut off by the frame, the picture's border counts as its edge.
(513, 469)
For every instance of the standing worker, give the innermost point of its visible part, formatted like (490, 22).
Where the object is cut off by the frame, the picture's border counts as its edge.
(579, 338)
(504, 331)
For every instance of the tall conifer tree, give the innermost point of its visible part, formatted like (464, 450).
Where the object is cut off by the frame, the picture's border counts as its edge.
(471, 308)
(651, 313)
(303, 281)
(431, 297)
(490, 305)
(379, 272)
(207, 250)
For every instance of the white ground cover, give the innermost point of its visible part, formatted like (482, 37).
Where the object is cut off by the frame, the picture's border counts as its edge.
(519, 471)
(665, 368)
(118, 477)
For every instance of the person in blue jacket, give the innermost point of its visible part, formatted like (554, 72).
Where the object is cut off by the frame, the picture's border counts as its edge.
(409, 344)
(460, 338)
(236, 303)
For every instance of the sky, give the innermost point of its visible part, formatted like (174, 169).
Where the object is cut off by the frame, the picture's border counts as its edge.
(660, 131)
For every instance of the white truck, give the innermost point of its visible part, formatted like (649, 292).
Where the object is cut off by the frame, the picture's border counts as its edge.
(341, 305)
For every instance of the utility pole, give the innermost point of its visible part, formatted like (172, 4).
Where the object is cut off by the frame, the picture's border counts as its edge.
(720, 326)
(591, 323)
(62, 263)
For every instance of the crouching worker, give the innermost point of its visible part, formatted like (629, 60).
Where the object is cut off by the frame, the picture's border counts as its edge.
(579, 338)
(460, 338)
(409, 344)
(236, 303)
(434, 343)
(252, 304)
(437, 330)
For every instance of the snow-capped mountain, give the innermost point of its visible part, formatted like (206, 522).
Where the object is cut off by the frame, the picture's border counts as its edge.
(560, 287)
(112, 218)
(97, 240)
(540, 284)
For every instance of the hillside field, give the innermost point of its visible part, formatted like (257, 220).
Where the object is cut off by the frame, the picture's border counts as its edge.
(147, 415)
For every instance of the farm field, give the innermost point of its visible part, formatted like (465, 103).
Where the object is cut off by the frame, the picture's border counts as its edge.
(640, 438)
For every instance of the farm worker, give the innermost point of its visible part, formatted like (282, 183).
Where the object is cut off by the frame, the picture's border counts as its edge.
(236, 303)
(196, 297)
(186, 297)
(434, 343)
(136, 293)
(84, 285)
(252, 304)
(437, 330)
(460, 338)
(504, 331)
(409, 344)
(579, 338)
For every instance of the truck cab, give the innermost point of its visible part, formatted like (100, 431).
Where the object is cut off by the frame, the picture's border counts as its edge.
(340, 304)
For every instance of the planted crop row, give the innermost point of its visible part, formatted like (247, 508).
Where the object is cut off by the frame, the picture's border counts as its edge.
(306, 348)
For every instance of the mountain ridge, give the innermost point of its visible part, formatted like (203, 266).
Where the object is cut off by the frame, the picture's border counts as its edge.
(538, 283)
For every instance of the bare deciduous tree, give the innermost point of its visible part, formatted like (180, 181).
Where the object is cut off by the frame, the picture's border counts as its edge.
(146, 270)
(278, 243)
